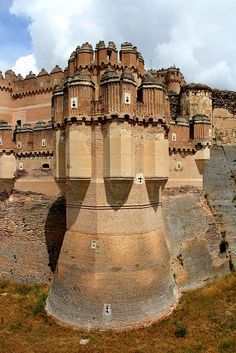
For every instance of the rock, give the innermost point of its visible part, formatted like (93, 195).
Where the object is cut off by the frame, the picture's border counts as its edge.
(84, 341)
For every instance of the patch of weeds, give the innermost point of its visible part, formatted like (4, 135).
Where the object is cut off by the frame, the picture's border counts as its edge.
(28, 328)
(216, 319)
(16, 326)
(198, 302)
(4, 284)
(128, 336)
(181, 330)
(40, 304)
(192, 349)
(93, 340)
(231, 325)
(23, 289)
(2, 342)
(227, 346)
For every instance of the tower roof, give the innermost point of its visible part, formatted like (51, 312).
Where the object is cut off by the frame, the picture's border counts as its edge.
(149, 79)
(127, 75)
(109, 74)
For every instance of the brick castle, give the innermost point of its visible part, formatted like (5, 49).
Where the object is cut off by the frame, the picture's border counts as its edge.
(110, 136)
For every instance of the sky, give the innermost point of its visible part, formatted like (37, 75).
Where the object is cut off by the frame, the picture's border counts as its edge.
(198, 36)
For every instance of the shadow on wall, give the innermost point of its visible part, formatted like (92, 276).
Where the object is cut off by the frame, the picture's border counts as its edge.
(55, 228)
(117, 192)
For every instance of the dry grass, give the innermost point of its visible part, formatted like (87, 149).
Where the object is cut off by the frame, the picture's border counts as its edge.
(204, 321)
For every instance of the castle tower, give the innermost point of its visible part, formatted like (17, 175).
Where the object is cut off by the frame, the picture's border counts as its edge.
(110, 90)
(114, 266)
(173, 79)
(129, 56)
(196, 107)
(84, 55)
(152, 94)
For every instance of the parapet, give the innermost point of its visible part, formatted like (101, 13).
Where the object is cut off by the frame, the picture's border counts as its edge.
(85, 57)
(4, 125)
(32, 83)
(195, 87)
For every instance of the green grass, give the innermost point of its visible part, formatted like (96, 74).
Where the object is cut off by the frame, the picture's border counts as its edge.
(203, 322)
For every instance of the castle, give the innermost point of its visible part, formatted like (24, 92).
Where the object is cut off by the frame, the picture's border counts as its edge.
(113, 135)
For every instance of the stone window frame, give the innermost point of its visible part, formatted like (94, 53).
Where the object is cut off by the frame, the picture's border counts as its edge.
(173, 136)
(19, 145)
(74, 102)
(127, 95)
(43, 143)
(21, 166)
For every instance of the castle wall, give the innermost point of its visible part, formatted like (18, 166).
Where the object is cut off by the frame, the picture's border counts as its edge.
(32, 108)
(186, 169)
(5, 105)
(196, 100)
(32, 230)
(224, 116)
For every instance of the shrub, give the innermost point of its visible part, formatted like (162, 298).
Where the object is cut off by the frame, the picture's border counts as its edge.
(181, 330)
(40, 304)
(227, 346)
(23, 290)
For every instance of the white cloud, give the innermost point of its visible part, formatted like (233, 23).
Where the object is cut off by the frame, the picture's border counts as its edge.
(25, 64)
(197, 36)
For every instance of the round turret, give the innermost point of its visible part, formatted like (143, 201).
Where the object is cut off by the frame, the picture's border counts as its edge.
(110, 74)
(127, 76)
(84, 55)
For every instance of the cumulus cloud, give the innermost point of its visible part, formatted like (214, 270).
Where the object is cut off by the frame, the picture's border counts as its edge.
(197, 36)
(24, 64)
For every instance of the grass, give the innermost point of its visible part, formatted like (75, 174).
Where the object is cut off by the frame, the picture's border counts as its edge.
(204, 321)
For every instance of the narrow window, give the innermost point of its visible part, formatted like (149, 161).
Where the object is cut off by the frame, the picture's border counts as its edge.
(43, 142)
(73, 102)
(173, 137)
(127, 98)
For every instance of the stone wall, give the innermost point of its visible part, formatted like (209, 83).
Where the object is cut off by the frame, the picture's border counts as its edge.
(32, 227)
(193, 238)
(220, 188)
(224, 99)
(224, 116)
(174, 100)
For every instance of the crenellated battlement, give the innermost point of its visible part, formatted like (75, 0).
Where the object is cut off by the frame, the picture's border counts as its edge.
(31, 84)
(86, 57)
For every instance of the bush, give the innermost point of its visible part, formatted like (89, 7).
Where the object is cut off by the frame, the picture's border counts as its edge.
(23, 290)
(181, 330)
(227, 346)
(40, 304)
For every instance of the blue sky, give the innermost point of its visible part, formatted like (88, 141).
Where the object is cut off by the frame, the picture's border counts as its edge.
(196, 36)
(15, 39)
